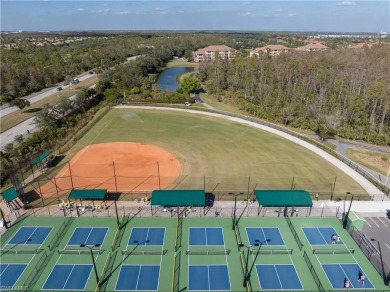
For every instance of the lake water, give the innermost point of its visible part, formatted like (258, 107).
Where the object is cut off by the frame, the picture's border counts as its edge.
(167, 79)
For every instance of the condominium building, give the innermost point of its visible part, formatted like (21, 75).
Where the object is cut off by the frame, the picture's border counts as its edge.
(210, 53)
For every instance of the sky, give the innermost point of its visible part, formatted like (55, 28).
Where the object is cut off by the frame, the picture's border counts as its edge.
(257, 15)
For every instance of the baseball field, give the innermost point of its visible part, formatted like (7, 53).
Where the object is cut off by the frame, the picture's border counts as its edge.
(144, 149)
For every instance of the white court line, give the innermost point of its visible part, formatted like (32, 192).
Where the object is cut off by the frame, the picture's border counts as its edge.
(346, 276)
(147, 236)
(89, 234)
(374, 222)
(369, 225)
(7, 265)
(68, 276)
(322, 235)
(265, 238)
(208, 274)
(139, 273)
(31, 235)
(276, 271)
(387, 245)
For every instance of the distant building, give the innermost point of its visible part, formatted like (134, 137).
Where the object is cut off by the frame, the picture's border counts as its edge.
(209, 53)
(312, 47)
(271, 50)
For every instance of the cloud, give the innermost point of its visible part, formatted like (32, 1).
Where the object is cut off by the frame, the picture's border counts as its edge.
(291, 14)
(346, 3)
(80, 9)
(104, 10)
(123, 13)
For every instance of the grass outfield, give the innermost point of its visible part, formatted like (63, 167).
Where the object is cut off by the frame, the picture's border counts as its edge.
(226, 152)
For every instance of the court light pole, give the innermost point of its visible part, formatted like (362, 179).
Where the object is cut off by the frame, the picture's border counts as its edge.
(93, 260)
(259, 244)
(386, 281)
(345, 222)
(246, 272)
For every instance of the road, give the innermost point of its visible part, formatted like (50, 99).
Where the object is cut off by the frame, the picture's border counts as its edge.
(41, 95)
(28, 127)
(8, 136)
(25, 128)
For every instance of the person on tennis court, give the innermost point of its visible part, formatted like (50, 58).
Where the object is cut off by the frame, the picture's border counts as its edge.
(334, 238)
(338, 239)
(346, 283)
(362, 277)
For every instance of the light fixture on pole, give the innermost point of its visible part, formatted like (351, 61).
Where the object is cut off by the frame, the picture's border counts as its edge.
(247, 272)
(93, 259)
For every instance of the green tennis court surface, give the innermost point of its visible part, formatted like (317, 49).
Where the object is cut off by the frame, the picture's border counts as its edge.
(186, 254)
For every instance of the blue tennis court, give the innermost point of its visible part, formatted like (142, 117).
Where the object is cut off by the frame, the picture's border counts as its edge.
(337, 273)
(320, 235)
(68, 277)
(147, 236)
(88, 235)
(9, 275)
(138, 277)
(30, 235)
(258, 234)
(278, 277)
(206, 236)
(208, 277)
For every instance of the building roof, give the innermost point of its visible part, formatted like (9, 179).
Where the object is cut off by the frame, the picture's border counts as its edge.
(214, 49)
(88, 194)
(309, 47)
(10, 194)
(178, 198)
(283, 198)
(272, 47)
(41, 157)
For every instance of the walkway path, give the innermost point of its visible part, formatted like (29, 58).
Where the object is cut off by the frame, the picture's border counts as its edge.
(362, 181)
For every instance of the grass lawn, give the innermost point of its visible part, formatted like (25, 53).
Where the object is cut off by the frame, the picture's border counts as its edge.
(226, 152)
(15, 118)
(375, 160)
(181, 63)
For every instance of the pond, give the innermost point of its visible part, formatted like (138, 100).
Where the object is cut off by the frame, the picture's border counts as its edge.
(167, 79)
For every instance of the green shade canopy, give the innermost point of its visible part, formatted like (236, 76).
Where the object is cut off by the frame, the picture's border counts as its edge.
(280, 198)
(10, 194)
(175, 198)
(88, 194)
(41, 157)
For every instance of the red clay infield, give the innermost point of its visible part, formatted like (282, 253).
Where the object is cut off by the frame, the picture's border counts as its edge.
(119, 166)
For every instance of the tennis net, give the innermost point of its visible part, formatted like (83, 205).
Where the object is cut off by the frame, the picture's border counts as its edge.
(271, 251)
(20, 251)
(80, 251)
(334, 251)
(144, 252)
(208, 252)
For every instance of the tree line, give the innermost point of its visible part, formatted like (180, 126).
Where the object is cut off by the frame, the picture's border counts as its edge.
(336, 92)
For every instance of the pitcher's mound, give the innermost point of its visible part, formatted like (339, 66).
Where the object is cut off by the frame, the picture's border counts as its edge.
(119, 166)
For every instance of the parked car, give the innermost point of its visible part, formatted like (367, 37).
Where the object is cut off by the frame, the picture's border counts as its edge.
(91, 72)
(75, 81)
(388, 213)
(59, 88)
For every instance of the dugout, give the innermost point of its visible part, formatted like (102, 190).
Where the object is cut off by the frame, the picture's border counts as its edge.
(93, 195)
(283, 199)
(8, 195)
(178, 198)
(39, 161)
